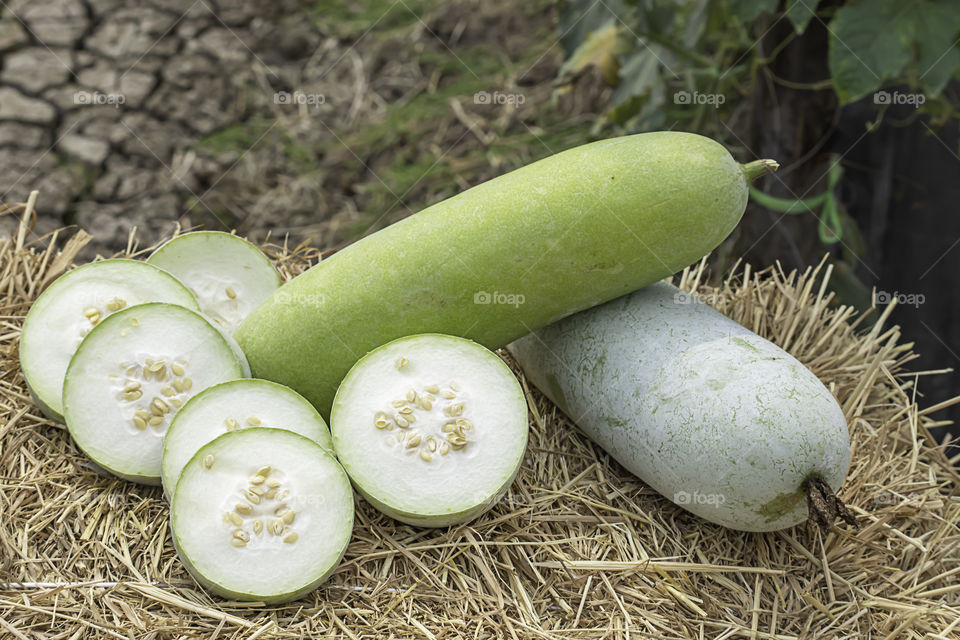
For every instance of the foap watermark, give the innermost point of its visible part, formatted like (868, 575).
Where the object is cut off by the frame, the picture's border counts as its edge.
(684, 498)
(914, 300)
(498, 97)
(98, 98)
(498, 297)
(895, 97)
(688, 297)
(697, 98)
(890, 498)
(312, 299)
(298, 98)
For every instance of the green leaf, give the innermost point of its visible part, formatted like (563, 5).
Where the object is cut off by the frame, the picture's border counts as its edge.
(694, 22)
(640, 73)
(935, 29)
(599, 50)
(800, 12)
(578, 18)
(748, 10)
(870, 41)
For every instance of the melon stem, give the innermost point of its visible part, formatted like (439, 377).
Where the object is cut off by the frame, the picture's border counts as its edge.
(823, 505)
(757, 168)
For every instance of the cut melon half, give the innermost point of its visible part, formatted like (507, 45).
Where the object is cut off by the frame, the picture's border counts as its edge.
(262, 514)
(234, 405)
(228, 275)
(131, 375)
(431, 428)
(74, 304)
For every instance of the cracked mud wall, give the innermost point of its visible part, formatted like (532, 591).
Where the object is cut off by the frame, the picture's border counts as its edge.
(148, 113)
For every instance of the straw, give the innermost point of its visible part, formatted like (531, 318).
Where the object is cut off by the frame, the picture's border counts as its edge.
(578, 548)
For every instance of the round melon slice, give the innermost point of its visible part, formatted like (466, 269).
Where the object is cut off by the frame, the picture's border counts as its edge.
(262, 514)
(228, 275)
(131, 375)
(431, 428)
(233, 405)
(74, 304)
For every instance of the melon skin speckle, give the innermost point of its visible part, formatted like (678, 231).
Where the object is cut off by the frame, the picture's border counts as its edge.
(719, 420)
(506, 257)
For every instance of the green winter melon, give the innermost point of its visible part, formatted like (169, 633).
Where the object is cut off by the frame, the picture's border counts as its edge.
(506, 257)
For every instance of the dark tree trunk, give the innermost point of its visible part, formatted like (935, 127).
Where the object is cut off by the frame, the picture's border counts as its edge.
(901, 187)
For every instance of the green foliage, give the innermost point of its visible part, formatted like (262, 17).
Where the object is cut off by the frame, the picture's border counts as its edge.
(875, 41)
(684, 62)
(690, 64)
(800, 12)
(351, 19)
(832, 219)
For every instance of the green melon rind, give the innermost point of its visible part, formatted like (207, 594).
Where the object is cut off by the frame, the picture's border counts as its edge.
(45, 407)
(238, 353)
(724, 423)
(247, 596)
(326, 442)
(568, 232)
(108, 322)
(440, 518)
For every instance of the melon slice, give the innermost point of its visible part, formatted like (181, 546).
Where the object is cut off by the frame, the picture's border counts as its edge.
(228, 275)
(131, 375)
(262, 514)
(233, 405)
(431, 428)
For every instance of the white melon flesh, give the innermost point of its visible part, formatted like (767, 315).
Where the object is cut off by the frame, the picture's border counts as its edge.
(233, 405)
(131, 375)
(431, 428)
(228, 275)
(262, 514)
(73, 305)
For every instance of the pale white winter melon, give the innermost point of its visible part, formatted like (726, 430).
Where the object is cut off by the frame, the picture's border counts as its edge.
(721, 421)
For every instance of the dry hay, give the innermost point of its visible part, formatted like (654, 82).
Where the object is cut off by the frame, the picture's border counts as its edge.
(578, 548)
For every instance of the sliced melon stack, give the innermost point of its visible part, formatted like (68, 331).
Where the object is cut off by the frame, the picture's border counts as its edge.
(72, 306)
(153, 389)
